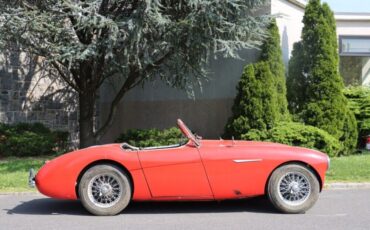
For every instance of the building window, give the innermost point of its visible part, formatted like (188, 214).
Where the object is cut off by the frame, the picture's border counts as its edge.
(354, 54)
(354, 46)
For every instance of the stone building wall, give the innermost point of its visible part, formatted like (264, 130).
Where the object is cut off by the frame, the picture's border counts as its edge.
(29, 92)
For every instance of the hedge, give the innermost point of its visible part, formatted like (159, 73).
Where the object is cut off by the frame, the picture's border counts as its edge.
(151, 137)
(31, 139)
(297, 134)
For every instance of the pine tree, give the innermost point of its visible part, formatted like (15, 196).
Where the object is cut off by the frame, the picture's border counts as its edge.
(255, 106)
(272, 54)
(296, 82)
(322, 104)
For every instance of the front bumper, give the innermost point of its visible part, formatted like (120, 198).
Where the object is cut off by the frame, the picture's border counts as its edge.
(31, 178)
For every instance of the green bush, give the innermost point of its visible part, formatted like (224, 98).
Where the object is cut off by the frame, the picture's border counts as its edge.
(151, 137)
(25, 139)
(359, 103)
(297, 134)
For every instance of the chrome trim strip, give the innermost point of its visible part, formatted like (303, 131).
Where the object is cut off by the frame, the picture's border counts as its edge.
(246, 160)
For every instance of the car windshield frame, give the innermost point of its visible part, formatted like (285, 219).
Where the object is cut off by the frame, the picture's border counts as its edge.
(187, 133)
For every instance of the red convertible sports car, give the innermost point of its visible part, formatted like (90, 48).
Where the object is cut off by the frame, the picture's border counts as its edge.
(106, 178)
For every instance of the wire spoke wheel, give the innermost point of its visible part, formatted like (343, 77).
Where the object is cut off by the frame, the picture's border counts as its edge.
(294, 188)
(104, 190)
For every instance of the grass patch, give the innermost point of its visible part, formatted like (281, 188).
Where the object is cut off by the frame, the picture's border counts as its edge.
(14, 173)
(355, 168)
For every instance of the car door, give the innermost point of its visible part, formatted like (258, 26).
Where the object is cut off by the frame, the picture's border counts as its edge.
(234, 171)
(175, 172)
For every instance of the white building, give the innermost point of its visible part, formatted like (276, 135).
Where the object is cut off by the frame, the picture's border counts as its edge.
(158, 106)
(353, 30)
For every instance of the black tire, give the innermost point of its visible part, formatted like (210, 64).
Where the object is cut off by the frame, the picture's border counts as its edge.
(306, 192)
(108, 179)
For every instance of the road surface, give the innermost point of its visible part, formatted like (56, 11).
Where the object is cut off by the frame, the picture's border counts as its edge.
(336, 209)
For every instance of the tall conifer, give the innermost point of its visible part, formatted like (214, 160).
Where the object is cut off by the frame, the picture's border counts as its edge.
(321, 102)
(272, 54)
(255, 106)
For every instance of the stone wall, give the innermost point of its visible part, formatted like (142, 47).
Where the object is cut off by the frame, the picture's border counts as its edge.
(30, 92)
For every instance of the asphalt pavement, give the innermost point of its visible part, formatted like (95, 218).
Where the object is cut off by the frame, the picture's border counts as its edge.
(335, 209)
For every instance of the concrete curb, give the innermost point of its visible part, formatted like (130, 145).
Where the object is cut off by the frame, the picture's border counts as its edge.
(344, 185)
(19, 193)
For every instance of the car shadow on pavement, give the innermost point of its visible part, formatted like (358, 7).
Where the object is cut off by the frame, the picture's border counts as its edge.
(48, 206)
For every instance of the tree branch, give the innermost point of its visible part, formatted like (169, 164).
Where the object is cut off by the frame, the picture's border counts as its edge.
(103, 7)
(130, 83)
(65, 78)
(113, 108)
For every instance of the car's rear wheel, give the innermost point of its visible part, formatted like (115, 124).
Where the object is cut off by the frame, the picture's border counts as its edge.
(104, 190)
(293, 188)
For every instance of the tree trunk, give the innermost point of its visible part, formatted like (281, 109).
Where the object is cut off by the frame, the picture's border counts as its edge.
(86, 119)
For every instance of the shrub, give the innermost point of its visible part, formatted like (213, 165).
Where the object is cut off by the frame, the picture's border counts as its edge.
(34, 139)
(318, 98)
(359, 103)
(151, 137)
(255, 106)
(297, 134)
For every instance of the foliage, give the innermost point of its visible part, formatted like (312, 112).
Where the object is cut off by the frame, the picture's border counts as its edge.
(271, 53)
(297, 134)
(34, 139)
(319, 99)
(151, 137)
(296, 81)
(255, 106)
(359, 103)
(89, 42)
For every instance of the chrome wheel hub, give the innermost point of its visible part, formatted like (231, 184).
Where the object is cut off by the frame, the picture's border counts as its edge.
(294, 188)
(105, 190)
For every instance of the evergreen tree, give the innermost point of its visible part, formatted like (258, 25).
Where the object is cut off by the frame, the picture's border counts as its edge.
(272, 54)
(296, 81)
(322, 103)
(255, 106)
(261, 97)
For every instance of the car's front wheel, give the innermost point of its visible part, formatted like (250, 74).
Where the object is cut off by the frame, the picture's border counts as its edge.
(104, 190)
(293, 188)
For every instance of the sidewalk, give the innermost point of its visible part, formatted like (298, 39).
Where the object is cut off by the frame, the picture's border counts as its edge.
(346, 185)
